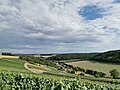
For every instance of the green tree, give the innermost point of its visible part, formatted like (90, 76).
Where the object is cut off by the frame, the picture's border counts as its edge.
(114, 73)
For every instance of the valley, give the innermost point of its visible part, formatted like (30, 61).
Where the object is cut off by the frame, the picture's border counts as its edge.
(88, 71)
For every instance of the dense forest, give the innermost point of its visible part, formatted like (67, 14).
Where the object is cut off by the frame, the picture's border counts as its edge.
(81, 56)
(110, 56)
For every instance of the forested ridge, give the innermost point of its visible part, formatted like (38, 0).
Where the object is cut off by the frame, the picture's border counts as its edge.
(109, 56)
(81, 56)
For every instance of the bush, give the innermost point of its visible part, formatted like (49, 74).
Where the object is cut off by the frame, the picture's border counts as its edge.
(114, 73)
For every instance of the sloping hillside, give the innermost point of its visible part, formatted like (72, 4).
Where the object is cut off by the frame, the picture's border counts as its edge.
(110, 56)
(70, 56)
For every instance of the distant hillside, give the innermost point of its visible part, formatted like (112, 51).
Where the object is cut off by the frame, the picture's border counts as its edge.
(81, 56)
(110, 56)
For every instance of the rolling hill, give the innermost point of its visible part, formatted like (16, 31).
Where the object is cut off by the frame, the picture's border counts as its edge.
(110, 57)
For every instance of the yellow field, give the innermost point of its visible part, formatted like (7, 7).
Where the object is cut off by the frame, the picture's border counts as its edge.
(4, 56)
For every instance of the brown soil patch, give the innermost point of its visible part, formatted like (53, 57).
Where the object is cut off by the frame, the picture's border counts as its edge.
(38, 70)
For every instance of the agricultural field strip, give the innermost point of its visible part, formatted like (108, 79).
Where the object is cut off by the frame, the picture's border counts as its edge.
(103, 67)
(5, 56)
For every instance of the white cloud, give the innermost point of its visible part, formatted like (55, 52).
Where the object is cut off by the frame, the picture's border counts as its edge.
(57, 23)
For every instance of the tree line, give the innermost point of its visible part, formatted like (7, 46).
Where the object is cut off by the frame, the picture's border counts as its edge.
(7, 53)
(110, 56)
(73, 70)
(81, 56)
(38, 60)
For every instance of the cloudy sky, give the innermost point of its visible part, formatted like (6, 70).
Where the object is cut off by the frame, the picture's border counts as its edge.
(56, 26)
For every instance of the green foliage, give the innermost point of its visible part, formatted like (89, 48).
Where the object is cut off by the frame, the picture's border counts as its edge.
(12, 81)
(81, 56)
(95, 73)
(38, 60)
(7, 53)
(13, 65)
(110, 56)
(82, 74)
(114, 73)
(72, 71)
(78, 69)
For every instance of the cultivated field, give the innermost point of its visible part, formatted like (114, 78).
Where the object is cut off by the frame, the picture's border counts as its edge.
(103, 67)
(4, 56)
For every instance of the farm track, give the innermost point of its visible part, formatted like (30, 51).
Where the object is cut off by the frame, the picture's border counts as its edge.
(33, 69)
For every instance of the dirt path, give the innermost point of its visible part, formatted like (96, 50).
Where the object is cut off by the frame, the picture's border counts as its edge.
(34, 70)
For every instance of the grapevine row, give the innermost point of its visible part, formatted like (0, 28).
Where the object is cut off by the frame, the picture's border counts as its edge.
(14, 81)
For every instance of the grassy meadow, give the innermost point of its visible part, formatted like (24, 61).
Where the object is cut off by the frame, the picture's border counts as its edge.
(12, 65)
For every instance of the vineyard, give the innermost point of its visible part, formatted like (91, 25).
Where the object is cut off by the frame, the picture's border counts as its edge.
(14, 81)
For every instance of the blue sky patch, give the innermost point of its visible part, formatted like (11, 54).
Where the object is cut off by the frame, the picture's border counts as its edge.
(91, 12)
(116, 1)
(110, 29)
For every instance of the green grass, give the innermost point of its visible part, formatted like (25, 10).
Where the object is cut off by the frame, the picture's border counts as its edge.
(17, 66)
(103, 67)
(12, 65)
